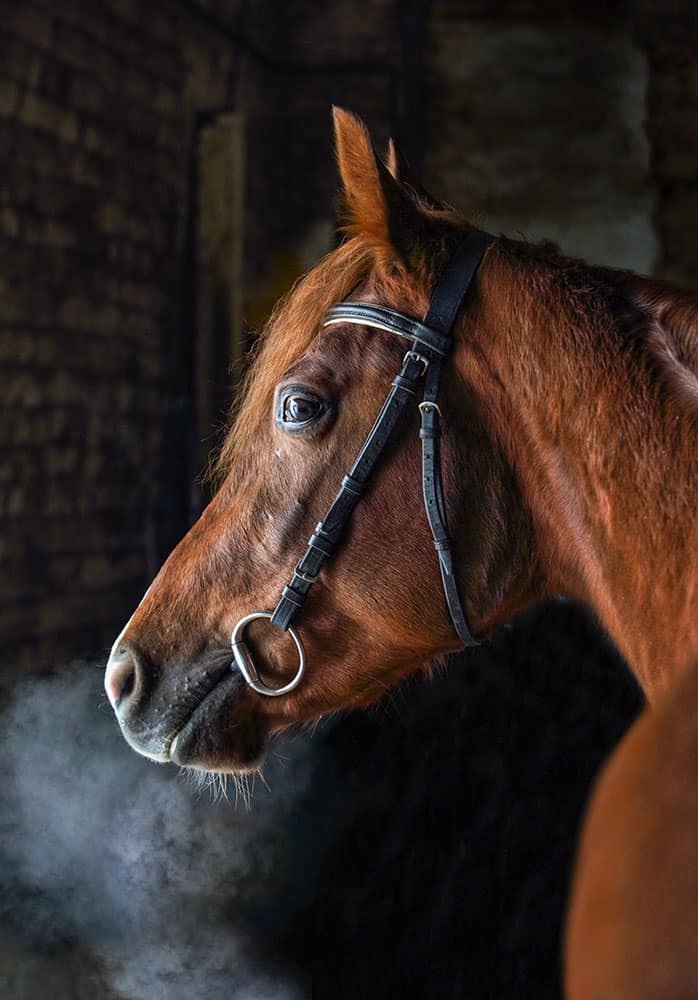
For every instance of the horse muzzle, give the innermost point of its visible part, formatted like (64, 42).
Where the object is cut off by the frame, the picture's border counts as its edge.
(188, 715)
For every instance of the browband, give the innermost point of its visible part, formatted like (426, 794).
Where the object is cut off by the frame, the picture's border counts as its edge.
(382, 318)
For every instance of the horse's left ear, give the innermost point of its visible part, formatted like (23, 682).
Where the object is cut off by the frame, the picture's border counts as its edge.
(378, 206)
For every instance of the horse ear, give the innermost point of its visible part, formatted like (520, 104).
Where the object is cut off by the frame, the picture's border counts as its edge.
(401, 171)
(377, 205)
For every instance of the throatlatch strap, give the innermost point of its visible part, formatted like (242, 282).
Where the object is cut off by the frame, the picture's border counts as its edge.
(431, 340)
(435, 507)
(446, 302)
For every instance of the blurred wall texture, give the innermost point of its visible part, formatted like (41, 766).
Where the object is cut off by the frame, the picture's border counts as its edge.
(559, 120)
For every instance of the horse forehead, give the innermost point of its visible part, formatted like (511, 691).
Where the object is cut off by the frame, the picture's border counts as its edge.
(340, 351)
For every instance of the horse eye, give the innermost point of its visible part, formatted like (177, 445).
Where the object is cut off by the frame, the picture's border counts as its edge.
(298, 409)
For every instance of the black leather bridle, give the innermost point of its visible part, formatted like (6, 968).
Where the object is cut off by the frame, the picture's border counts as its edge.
(432, 339)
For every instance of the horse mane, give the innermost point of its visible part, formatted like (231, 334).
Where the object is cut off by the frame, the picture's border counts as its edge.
(287, 334)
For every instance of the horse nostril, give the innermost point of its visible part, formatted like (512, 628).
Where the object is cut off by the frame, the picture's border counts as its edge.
(121, 678)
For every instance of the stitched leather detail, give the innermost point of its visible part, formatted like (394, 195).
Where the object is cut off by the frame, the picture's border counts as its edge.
(393, 322)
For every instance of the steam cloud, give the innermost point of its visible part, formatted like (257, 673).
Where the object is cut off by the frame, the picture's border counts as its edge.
(118, 878)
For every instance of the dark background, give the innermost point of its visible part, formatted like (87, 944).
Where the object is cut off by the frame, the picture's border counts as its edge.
(422, 849)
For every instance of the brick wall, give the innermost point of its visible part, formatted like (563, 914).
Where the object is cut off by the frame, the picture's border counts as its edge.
(97, 111)
(98, 114)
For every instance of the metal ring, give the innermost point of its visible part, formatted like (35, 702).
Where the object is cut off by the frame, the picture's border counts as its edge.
(243, 660)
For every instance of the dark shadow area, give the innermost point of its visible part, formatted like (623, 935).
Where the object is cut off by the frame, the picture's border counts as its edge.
(449, 818)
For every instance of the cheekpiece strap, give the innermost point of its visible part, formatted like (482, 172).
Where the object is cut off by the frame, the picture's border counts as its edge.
(452, 287)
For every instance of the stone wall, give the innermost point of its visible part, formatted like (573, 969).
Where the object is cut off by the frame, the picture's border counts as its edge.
(99, 108)
(98, 104)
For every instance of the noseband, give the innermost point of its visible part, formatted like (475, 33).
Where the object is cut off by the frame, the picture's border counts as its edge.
(432, 339)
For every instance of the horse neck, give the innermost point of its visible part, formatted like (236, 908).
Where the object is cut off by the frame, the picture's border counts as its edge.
(601, 434)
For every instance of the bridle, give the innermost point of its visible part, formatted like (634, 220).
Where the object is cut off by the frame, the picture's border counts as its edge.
(432, 339)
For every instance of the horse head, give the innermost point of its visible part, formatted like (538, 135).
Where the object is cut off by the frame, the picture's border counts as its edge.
(377, 610)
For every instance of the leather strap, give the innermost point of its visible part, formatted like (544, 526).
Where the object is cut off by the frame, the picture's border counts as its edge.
(453, 285)
(446, 302)
(391, 321)
(431, 341)
(435, 506)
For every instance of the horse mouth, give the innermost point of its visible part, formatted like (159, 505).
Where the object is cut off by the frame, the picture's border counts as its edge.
(216, 737)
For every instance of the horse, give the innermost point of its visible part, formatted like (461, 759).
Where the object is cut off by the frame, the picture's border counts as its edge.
(567, 412)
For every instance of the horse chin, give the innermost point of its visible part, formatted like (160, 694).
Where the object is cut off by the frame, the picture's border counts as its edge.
(206, 751)
(218, 736)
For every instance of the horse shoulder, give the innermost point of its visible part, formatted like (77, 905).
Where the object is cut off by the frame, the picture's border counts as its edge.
(632, 930)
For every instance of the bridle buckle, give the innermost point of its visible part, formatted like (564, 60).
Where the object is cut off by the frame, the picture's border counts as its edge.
(420, 358)
(427, 405)
(306, 577)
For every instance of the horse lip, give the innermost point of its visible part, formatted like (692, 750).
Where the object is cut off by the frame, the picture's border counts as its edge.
(159, 756)
(199, 707)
